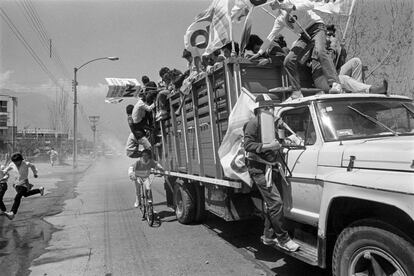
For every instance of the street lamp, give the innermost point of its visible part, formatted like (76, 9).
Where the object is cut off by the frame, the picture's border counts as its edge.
(75, 103)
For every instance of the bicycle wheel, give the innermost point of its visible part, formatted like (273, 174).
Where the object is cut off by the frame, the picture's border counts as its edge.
(143, 202)
(150, 214)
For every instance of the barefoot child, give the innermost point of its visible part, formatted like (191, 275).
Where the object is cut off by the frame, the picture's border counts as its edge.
(23, 188)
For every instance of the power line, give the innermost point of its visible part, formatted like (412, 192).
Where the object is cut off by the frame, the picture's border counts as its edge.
(37, 59)
(36, 24)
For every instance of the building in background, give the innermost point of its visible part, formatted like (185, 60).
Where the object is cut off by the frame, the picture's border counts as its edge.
(8, 123)
(35, 143)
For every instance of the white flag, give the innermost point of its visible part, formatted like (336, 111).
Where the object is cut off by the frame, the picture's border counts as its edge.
(342, 7)
(231, 151)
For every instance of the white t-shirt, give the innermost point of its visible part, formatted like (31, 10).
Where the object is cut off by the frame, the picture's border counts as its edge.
(303, 15)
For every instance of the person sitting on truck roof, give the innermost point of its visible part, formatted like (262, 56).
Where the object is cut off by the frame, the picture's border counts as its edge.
(299, 17)
(350, 72)
(260, 161)
(225, 51)
(172, 80)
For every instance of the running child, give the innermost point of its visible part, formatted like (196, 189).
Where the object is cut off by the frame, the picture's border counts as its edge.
(3, 189)
(23, 188)
(140, 172)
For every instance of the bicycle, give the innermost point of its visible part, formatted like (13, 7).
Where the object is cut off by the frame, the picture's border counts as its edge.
(146, 207)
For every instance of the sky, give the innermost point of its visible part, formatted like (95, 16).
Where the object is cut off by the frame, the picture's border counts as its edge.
(145, 34)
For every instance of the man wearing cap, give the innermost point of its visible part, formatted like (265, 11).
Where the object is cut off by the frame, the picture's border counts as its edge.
(350, 72)
(260, 159)
(299, 17)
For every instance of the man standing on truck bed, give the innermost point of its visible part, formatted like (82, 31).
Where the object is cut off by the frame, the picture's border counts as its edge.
(298, 16)
(260, 159)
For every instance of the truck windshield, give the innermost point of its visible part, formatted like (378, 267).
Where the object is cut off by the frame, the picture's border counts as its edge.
(358, 118)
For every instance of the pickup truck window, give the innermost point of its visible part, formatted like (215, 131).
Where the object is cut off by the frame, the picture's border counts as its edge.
(363, 118)
(300, 121)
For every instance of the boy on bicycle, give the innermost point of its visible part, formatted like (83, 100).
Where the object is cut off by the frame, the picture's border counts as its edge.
(140, 172)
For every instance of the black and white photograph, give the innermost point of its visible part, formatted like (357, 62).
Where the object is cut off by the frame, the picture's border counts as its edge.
(206, 137)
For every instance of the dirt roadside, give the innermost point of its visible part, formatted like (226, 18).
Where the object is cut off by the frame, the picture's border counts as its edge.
(27, 236)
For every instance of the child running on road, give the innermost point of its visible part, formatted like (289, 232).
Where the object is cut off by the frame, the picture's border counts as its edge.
(3, 189)
(139, 173)
(53, 155)
(23, 188)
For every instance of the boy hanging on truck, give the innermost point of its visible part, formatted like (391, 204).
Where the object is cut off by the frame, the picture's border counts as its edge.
(139, 119)
(260, 161)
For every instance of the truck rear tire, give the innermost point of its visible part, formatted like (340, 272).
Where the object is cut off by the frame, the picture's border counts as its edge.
(184, 204)
(372, 250)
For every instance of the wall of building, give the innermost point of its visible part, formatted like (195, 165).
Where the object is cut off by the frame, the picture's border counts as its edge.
(8, 123)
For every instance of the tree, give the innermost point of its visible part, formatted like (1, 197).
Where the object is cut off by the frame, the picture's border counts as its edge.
(379, 26)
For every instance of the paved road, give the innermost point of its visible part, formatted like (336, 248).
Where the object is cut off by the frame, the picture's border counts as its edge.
(100, 233)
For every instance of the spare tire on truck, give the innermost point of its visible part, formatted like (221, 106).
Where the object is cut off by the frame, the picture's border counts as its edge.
(184, 203)
(369, 250)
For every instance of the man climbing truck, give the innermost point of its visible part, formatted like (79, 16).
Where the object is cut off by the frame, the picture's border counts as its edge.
(348, 193)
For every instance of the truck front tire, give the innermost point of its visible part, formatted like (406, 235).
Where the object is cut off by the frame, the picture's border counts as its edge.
(362, 249)
(184, 204)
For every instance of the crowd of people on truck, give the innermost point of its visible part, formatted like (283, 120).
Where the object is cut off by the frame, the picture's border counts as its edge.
(317, 51)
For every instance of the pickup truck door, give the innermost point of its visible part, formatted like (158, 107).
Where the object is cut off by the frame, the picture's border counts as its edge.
(302, 193)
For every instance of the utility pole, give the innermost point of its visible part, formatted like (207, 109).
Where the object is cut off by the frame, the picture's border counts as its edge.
(94, 121)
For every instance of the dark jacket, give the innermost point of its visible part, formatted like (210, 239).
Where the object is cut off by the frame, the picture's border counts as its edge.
(253, 143)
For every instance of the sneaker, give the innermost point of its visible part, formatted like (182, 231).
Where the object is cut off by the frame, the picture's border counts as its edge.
(336, 88)
(42, 190)
(288, 245)
(9, 215)
(267, 241)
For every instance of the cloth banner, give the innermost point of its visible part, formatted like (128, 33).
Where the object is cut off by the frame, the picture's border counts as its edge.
(231, 150)
(119, 88)
(220, 27)
(242, 7)
(341, 7)
(197, 34)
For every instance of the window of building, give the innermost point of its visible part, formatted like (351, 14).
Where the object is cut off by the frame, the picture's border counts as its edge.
(3, 120)
(3, 106)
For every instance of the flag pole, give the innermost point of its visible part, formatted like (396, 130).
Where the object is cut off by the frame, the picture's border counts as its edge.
(349, 19)
(297, 23)
(346, 29)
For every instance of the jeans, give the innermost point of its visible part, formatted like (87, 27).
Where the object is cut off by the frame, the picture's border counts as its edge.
(348, 82)
(22, 191)
(319, 52)
(352, 68)
(273, 202)
(3, 189)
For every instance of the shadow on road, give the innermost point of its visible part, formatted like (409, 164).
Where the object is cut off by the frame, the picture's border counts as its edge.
(245, 236)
